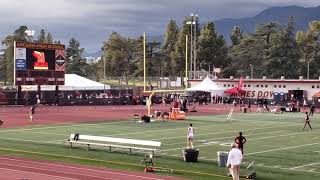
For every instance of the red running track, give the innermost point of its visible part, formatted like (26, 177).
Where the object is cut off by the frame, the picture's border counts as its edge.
(26, 169)
(19, 116)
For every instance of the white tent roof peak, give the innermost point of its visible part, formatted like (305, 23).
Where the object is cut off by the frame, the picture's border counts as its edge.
(206, 85)
(78, 82)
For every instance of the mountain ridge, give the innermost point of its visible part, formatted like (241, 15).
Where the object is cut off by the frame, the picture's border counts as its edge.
(302, 16)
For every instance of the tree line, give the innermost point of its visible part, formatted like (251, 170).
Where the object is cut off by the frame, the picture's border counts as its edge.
(273, 50)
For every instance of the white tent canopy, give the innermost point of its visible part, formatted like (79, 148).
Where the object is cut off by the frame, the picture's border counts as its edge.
(72, 82)
(76, 82)
(207, 85)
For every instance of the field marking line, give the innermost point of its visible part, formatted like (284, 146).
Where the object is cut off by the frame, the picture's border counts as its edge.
(288, 169)
(71, 124)
(305, 165)
(221, 132)
(34, 173)
(279, 149)
(60, 171)
(33, 141)
(105, 161)
(206, 140)
(247, 139)
(173, 129)
(80, 124)
(281, 135)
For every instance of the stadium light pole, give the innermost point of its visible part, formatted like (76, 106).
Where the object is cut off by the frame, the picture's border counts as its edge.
(194, 20)
(251, 66)
(191, 44)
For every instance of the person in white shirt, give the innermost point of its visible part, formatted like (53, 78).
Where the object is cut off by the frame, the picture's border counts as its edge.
(234, 161)
(190, 136)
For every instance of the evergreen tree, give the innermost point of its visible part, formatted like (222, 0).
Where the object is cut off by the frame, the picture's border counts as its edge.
(49, 38)
(212, 49)
(309, 44)
(284, 54)
(168, 47)
(179, 55)
(252, 49)
(42, 37)
(236, 35)
(75, 62)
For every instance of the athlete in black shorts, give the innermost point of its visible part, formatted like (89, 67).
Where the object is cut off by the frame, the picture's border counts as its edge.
(1, 122)
(307, 121)
(240, 140)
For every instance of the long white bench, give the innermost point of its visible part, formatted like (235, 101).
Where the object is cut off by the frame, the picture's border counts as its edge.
(115, 142)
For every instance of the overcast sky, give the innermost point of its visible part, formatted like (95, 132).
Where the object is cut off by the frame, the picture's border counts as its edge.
(91, 21)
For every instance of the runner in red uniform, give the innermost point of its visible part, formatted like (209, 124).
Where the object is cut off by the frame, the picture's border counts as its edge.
(240, 140)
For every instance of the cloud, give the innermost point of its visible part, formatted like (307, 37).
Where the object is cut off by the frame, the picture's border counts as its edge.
(92, 20)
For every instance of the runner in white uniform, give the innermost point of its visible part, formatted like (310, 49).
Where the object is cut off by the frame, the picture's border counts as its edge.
(190, 136)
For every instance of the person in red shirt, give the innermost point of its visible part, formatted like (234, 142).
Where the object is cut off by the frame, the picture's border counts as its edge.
(175, 104)
(240, 141)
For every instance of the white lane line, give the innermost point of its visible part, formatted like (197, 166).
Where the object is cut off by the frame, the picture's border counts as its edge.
(266, 137)
(56, 171)
(289, 169)
(221, 132)
(68, 125)
(39, 174)
(281, 135)
(33, 141)
(81, 169)
(279, 149)
(213, 139)
(305, 165)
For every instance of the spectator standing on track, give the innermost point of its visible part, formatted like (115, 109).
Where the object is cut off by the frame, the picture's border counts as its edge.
(240, 141)
(234, 162)
(312, 110)
(307, 121)
(190, 136)
(33, 108)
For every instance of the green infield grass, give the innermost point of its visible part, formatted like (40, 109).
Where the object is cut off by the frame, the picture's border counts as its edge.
(276, 143)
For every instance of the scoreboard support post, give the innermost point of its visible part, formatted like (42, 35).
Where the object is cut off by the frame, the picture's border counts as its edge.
(56, 95)
(39, 91)
(19, 97)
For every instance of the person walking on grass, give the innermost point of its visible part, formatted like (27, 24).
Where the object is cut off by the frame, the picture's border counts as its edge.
(312, 110)
(190, 136)
(234, 161)
(307, 121)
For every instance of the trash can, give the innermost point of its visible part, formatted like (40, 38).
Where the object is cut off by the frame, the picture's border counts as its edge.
(190, 155)
(222, 158)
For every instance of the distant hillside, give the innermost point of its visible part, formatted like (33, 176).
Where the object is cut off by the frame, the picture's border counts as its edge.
(302, 17)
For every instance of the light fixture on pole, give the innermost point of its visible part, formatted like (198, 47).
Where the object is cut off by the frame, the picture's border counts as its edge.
(29, 32)
(251, 66)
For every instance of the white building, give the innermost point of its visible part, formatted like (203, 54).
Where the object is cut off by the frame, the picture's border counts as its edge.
(270, 88)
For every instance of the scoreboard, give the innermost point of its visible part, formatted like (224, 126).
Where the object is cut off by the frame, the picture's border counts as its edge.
(39, 64)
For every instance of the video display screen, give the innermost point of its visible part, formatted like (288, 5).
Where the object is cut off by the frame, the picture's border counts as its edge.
(39, 64)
